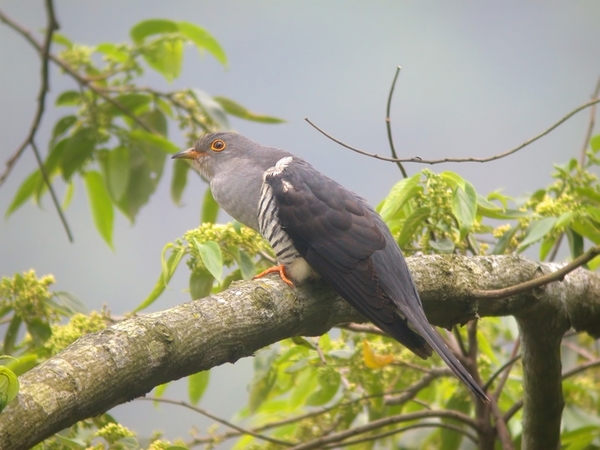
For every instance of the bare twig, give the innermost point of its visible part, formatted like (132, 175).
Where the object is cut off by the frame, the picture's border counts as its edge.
(379, 423)
(411, 391)
(540, 281)
(591, 123)
(83, 81)
(218, 419)
(569, 373)
(44, 51)
(420, 160)
(416, 426)
(501, 430)
(388, 122)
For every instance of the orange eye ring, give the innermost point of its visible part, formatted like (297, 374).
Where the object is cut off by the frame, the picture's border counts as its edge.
(218, 145)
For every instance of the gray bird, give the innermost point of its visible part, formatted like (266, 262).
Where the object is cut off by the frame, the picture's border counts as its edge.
(320, 229)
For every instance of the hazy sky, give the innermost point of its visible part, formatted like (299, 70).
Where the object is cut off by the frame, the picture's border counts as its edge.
(478, 78)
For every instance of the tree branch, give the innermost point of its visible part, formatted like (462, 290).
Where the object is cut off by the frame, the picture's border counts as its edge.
(420, 160)
(128, 359)
(44, 51)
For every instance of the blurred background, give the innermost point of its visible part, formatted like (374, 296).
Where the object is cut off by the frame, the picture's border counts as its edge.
(477, 79)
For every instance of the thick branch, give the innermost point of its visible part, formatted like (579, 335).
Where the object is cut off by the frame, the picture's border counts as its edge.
(127, 360)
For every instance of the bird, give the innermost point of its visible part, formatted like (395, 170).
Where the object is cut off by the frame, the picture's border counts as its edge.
(319, 229)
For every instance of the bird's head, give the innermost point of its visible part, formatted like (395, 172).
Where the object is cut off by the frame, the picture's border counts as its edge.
(215, 151)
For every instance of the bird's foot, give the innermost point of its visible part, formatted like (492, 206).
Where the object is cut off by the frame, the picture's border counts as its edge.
(280, 269)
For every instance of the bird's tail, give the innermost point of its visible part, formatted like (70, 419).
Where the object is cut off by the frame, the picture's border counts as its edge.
(437, 343)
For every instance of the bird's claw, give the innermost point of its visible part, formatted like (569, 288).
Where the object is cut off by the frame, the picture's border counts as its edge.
(280, 269)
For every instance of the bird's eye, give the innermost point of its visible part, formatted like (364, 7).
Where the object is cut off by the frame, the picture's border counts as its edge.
(217, 145)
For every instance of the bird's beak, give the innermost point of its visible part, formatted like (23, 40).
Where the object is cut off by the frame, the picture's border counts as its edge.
(190, 153)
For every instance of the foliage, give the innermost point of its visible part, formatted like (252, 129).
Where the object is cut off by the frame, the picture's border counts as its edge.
(114, 136)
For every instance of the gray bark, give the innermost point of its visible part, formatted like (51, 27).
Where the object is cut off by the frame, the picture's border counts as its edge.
(127, 360)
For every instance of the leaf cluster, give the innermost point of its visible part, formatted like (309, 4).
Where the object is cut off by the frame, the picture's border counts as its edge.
(115, 137)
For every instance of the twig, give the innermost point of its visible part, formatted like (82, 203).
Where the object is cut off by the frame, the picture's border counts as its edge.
(44, 51)
(378, 436)
(411, 391)
(218, 419)
(501, 429)
(385, 421)
(504, 370)
(420, 160)
(541, 281)
(569, 373)
(388, 122)
(67, 68)
(591, 123)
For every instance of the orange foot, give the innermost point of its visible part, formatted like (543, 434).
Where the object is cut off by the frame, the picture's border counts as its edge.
(280, 269)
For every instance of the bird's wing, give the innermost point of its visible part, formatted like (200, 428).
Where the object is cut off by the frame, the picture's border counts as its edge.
(339, 234)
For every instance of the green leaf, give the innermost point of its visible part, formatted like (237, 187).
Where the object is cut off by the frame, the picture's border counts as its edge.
(197, 384)
(68, 194)
(451, 440)
(247, 266)
(147, 157)
(464, 207)
(201, 282)
(116, 172)
(127, 443)
(546, 246)
(11, 335)
(71, 443)
(575, 243)
(168, 269)
(210, 208)
(157, 121)
(586, 228)
(215, 112)
(537, 230)
(412, 224)
(25, 191)
(100, 205)
(116, 52)
(70, 302)
(160, 390)
(61, 39)
(589, 193)
(504, 241)
(9, 386)
(145, 28)
(235, 109)
(593, 212)
(580, 438)
(154, 141)
(212, 258)
(179, 180)
(39, 330)
(62, 125)
(305, 384)
(595, 143)
(564, 220)
(329, 384)
(400, 193)
(203, 40)
(165, 56)
(508, 214)
(454, 180)
(76, 150)
(130, 102)
(443, 245)
(68, 98)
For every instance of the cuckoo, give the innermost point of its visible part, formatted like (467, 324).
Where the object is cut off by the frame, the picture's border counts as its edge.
(318, 228)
